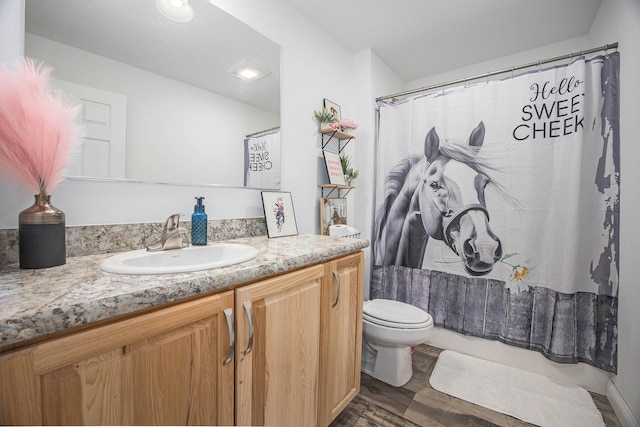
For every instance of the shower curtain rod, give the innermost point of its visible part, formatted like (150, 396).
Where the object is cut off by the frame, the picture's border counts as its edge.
(495, 73)
(272, 130)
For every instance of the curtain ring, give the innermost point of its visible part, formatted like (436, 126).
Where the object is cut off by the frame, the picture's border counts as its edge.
(488, 74)
(512, 70)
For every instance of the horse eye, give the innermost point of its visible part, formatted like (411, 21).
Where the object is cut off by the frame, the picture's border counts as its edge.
(434, 185)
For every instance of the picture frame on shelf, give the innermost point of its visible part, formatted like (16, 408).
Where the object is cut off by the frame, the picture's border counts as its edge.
(332, 212)
(334, 168)
(279, 213)
(333, 108)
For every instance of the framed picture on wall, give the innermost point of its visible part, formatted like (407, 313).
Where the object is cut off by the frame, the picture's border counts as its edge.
(333, 108)
(332, 212)
(278, 213)
(334, 168)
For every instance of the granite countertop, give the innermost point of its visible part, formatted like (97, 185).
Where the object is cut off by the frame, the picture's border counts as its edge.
(35, 303)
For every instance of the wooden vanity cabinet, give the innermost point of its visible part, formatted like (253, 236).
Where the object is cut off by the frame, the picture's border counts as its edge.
(302, 367)
(278, 349)
(296, 361)
(341, 335)
(163, 367)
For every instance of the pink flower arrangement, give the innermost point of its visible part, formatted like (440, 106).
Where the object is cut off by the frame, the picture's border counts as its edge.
(344, 124)
(348, 124)
(37, 130)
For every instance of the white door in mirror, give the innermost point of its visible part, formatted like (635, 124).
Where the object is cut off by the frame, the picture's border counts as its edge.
(104, 118)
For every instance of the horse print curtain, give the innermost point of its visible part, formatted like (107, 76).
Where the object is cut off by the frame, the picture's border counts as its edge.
(498, 209)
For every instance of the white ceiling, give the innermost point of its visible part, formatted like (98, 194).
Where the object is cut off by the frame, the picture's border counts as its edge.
(419, 38)
(134, 32)
(416, 38)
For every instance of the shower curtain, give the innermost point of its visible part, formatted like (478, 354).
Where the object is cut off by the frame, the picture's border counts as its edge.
(513, 185)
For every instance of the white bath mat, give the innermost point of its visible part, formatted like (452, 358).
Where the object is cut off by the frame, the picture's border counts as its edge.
(530, 397)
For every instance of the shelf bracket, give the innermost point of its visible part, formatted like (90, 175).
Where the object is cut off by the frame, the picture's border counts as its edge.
(342, 147)
(324, 144)
(333, 188)
(340, 136)
(331, 191)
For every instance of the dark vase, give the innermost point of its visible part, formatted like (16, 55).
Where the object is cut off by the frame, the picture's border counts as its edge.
(41, 234)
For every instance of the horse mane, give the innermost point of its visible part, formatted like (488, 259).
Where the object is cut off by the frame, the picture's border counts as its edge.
(479, 161)
(392, 186)
(396, 177)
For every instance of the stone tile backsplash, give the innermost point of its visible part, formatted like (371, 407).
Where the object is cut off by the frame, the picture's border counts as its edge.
(108, 238)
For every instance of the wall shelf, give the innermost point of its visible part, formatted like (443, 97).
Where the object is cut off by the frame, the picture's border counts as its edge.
(333, 187)
(337, 134)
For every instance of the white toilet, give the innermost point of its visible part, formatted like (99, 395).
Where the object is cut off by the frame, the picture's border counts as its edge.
(390, 328)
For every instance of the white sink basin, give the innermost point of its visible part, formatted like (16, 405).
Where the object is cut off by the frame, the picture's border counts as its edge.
(193, 258)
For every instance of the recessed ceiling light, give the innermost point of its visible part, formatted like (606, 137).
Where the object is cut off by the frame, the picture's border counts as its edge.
(248, 71)
(176, 10)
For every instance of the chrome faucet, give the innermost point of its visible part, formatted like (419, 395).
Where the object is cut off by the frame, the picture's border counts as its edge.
(173, 236)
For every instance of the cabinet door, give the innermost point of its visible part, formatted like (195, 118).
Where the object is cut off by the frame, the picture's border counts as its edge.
(164, 367)
(277, 352)
(341, 336)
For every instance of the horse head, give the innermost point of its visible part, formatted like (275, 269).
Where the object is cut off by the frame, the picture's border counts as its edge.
(452, 204)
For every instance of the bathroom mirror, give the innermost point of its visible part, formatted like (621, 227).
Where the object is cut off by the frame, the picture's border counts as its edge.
(160, 101)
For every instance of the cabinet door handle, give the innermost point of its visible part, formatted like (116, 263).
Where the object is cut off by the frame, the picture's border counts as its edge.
(247, 309)
(228, 313)
(337, 279)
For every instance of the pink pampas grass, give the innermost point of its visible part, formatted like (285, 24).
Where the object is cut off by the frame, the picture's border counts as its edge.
(37, 130)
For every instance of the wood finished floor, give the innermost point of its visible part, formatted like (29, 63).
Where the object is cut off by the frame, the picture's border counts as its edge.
(418, 404)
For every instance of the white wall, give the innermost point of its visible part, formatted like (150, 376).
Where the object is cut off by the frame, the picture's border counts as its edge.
(313, 67)
(311, 71)
(193, 135)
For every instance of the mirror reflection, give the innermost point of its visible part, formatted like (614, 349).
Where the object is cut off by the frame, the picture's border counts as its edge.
(161, 99)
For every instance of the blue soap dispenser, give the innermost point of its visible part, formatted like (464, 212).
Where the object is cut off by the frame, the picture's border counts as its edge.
(199, 224)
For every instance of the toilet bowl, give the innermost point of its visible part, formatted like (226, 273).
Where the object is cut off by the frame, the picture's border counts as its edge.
(390, 328)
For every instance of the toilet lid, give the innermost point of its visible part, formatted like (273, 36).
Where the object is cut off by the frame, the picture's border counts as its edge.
(395, 314)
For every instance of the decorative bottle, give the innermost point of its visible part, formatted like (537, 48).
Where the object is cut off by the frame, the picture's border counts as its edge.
(41, 235)
(199, 224)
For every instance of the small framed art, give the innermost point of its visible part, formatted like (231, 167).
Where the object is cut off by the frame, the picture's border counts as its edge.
(278, 213)
(333, 108)
(332, 212)
(334, 168)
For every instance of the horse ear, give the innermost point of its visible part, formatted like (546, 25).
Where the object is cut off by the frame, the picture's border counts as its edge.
(432, 145)
(477, 136)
